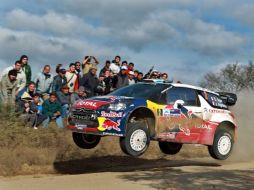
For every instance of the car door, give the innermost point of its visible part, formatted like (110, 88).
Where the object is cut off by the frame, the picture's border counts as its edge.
(182, 113)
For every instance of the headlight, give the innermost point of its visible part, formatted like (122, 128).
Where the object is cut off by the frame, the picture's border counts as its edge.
(117, 107)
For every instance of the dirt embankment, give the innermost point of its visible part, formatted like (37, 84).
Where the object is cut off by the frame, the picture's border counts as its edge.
(50, 151)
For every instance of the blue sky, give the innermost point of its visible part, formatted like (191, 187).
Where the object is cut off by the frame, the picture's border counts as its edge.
(186, 38)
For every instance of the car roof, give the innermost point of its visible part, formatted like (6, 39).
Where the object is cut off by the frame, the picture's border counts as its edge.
(160, 81)
(193, 87)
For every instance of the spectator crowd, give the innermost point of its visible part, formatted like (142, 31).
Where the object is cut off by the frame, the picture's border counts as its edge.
(48, 98)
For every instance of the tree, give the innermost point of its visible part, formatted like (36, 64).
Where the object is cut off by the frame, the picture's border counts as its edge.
(232, 78)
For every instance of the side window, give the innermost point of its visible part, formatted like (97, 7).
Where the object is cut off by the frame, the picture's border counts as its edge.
(188, 95)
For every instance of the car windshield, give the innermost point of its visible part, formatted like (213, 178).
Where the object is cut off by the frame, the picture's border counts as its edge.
(141, 90)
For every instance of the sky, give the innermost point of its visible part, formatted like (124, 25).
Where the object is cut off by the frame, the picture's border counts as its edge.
(186, 38)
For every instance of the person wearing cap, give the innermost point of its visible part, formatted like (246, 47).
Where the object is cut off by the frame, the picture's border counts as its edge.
(90, 82)
(32, 112)
(131, 78)
(72, 78)
(21, 77)
(80, 94)
(59, 80)
(64, 97)
(53, 110)
(26, 68)
(122, 78)
(43, 82)
(8, 88)
(25, 95)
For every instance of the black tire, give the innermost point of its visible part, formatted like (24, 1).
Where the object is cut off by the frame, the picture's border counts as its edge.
(170, 147)
(131, 144)
(85, 141)
(222, 145)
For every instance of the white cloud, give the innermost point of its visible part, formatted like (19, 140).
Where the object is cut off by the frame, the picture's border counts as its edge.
(61, 24)
(244, 13)
(46, 50)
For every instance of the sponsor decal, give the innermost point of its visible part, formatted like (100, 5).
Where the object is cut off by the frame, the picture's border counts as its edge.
(112, 134)
(166, 112)
(92, 104)
(186, 131)
(204, 126)
(167, 135)
(111, 114)
(108, 124)
(216, 111)
(80, 126)
(87, 103)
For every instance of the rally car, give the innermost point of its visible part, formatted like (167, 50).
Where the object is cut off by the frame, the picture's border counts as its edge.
(171, 113)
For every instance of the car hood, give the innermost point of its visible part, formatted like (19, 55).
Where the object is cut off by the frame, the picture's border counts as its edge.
(96, 102)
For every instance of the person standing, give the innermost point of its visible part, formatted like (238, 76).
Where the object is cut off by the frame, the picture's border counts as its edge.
(122, 78)
(21, 77)
(59, 80)
(108, 79)
(87, 63)
(78, 70)
(115, 65)
(26, 68)
(44, 81)
(72, 78)
(140, 77)
(8, 88)
(131, 78)
(90, 82)
(105, 68)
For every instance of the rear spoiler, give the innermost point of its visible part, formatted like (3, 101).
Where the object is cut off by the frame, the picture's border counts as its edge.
(228, 98)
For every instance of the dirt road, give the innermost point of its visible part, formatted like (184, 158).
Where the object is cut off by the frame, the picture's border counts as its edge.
(130, 173)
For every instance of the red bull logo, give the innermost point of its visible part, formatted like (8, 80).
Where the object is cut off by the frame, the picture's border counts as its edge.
(108, 124)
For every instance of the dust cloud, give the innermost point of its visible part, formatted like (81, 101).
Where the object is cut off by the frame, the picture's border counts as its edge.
(243, 110)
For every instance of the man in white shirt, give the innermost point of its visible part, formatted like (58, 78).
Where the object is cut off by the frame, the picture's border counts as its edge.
(21, 77)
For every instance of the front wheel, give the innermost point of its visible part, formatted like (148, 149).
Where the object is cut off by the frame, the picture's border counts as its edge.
(137, 139)
(170, 147)
(222, 145)
(85, 141)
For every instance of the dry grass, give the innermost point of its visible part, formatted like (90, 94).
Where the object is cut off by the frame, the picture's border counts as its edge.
(28, 151)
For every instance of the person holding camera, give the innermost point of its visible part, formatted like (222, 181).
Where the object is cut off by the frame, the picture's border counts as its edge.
(89, 61)
(72, 78)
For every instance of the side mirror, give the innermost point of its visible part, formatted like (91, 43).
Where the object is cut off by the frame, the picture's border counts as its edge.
(178, 104)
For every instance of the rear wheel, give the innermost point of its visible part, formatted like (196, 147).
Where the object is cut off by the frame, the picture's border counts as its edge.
(137, 139)
(85, 141)
(170, 147)
(222, 145)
